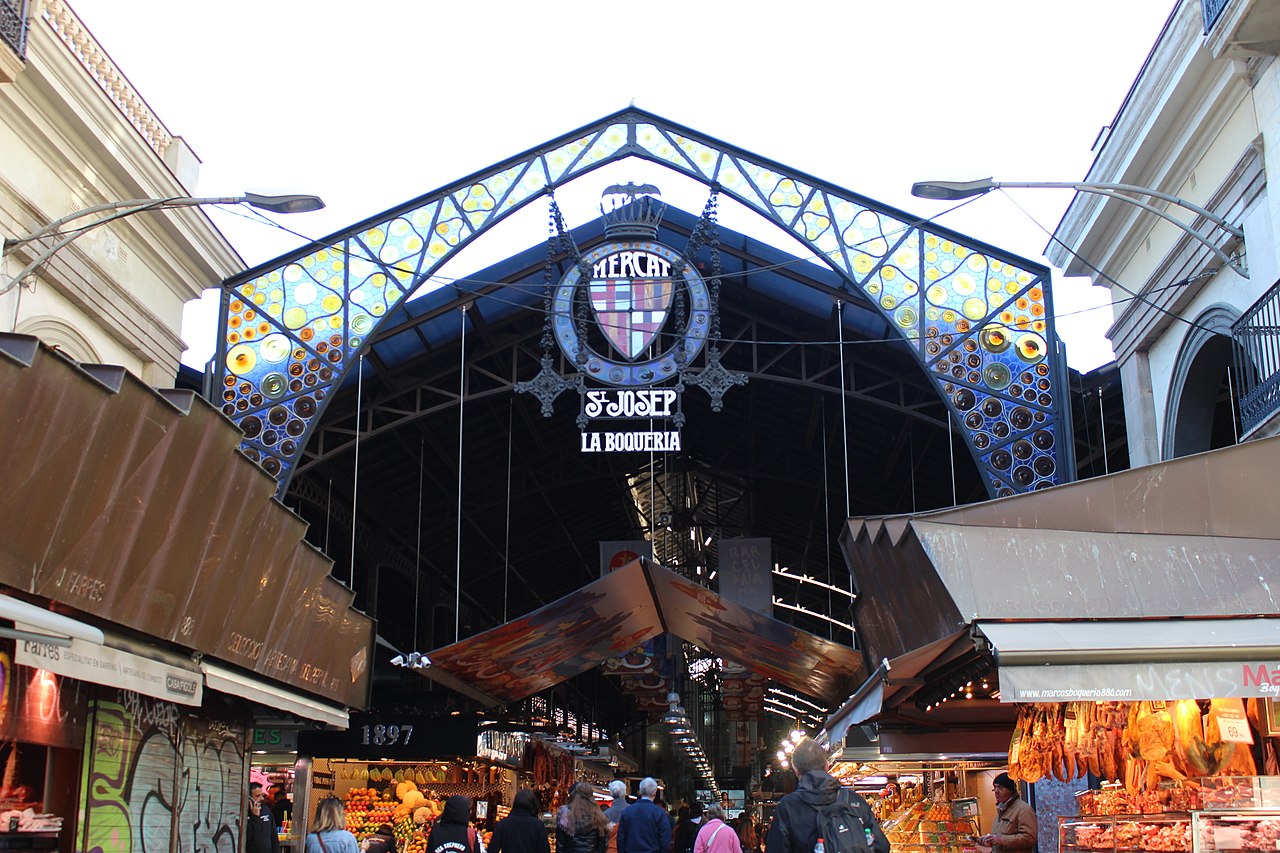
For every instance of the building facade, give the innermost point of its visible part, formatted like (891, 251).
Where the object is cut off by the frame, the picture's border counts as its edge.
(158, 606)
(75, 134)
(1201, 123)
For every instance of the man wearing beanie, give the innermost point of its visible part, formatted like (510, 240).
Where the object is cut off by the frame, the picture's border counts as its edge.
(1015, 826)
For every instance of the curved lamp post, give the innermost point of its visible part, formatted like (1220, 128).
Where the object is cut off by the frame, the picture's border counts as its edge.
(120, 209)
(955, 190)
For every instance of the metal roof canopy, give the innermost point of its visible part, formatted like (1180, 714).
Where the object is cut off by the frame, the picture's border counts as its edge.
(979, 321)
(758, 468)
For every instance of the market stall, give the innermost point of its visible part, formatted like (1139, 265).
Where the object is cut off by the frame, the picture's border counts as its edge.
(927, 806)
(42, 733)
(1145, 594)
(1178, 777)
(399, 770)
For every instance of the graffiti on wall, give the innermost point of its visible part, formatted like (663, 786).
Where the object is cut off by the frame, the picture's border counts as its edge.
(158, 779)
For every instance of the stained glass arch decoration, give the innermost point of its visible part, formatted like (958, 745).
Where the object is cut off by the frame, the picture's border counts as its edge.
(977, 319)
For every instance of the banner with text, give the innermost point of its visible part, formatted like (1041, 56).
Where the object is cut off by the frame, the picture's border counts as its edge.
(115, 668)
(746, 573)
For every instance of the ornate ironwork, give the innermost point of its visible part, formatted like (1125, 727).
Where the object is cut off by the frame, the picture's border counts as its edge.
(715, 379)
(1256, 339)
(548, 385)
(978, 320)
(1210, 11)
(13, 25)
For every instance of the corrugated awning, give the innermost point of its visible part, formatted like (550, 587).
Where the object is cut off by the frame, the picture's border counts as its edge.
(272, 696)
(890, 678)
(134, 505)
(1128, 660)
(1134, 582)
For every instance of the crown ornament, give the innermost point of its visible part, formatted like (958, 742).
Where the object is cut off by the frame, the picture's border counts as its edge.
(632, 210)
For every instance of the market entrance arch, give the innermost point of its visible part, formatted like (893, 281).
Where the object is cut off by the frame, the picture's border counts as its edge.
(976, 320)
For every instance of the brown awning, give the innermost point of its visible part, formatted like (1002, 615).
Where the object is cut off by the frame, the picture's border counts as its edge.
(1192, 538)
(135, 505)
(609, 617)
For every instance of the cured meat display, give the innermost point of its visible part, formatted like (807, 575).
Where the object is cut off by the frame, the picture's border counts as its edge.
(1147, 746)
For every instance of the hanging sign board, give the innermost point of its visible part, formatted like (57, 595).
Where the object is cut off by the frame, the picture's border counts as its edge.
(98, 664)
(1128, 682)
(632, 315)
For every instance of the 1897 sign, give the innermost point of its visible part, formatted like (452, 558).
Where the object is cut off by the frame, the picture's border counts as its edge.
(377, 737)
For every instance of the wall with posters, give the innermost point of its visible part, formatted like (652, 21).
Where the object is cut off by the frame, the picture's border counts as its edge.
(156, 778)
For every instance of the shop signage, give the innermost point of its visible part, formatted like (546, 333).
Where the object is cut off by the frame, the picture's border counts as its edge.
(503, 747)
(98, 664)
(745, 573)
(275, 740)
(632, 316)
(632, 295)
(1127, 682)
(379, 737)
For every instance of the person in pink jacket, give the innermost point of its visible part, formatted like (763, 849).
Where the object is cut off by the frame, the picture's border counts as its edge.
(716, 836)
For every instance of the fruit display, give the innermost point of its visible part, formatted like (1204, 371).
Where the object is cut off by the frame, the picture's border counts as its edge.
(366, 810)
(404, 807)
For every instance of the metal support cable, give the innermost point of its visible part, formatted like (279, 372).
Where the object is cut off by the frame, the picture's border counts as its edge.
(506, 551)
(462, 399)
(417, 550)
(1102, 418)
(844, 417)
(951, 451)
(355, 476)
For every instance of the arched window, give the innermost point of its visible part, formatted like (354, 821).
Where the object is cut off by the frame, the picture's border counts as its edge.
(1201, 412)
(56, 332)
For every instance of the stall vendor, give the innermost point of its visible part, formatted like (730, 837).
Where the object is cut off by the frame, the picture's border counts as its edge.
(1015, 826)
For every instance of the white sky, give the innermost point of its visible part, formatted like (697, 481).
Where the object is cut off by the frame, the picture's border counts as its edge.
(371, 104)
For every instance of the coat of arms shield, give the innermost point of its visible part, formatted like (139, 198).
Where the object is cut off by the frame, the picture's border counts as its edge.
(631, 312)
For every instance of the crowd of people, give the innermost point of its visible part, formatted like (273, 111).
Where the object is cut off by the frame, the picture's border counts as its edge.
(643, 826)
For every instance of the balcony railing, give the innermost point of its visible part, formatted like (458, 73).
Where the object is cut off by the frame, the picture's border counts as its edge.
(1256, 342)
(1211, 9)
(13, 25)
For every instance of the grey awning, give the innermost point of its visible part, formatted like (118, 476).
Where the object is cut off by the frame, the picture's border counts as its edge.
(1128, 660)
(1155, 582)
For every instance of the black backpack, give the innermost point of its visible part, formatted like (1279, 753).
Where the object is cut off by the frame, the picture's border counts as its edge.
(846, 825)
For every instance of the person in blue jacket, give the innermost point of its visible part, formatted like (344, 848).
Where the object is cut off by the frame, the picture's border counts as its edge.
(645, 827)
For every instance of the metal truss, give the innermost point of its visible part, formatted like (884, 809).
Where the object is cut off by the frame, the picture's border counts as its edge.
(977, 320)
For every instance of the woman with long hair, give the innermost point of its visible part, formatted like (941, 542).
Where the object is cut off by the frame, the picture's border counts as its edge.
(581, 826)
(747, 834)
(329, 833)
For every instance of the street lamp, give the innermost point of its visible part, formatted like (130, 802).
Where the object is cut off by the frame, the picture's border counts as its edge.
(120, 209)
(955, 190)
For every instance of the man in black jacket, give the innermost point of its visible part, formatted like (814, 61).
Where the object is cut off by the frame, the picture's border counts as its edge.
(797, 822)
(260, 827)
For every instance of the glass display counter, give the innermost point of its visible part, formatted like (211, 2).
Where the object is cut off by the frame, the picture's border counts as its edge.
(930, 828)
(1157, 833)
(1198, 832)
(1232, 831)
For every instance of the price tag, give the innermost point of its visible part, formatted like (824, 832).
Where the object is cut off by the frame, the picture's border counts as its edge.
(1015, 747)
(1233, 726)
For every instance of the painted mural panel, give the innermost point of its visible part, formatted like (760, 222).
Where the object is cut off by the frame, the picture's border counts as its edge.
(156, 779)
